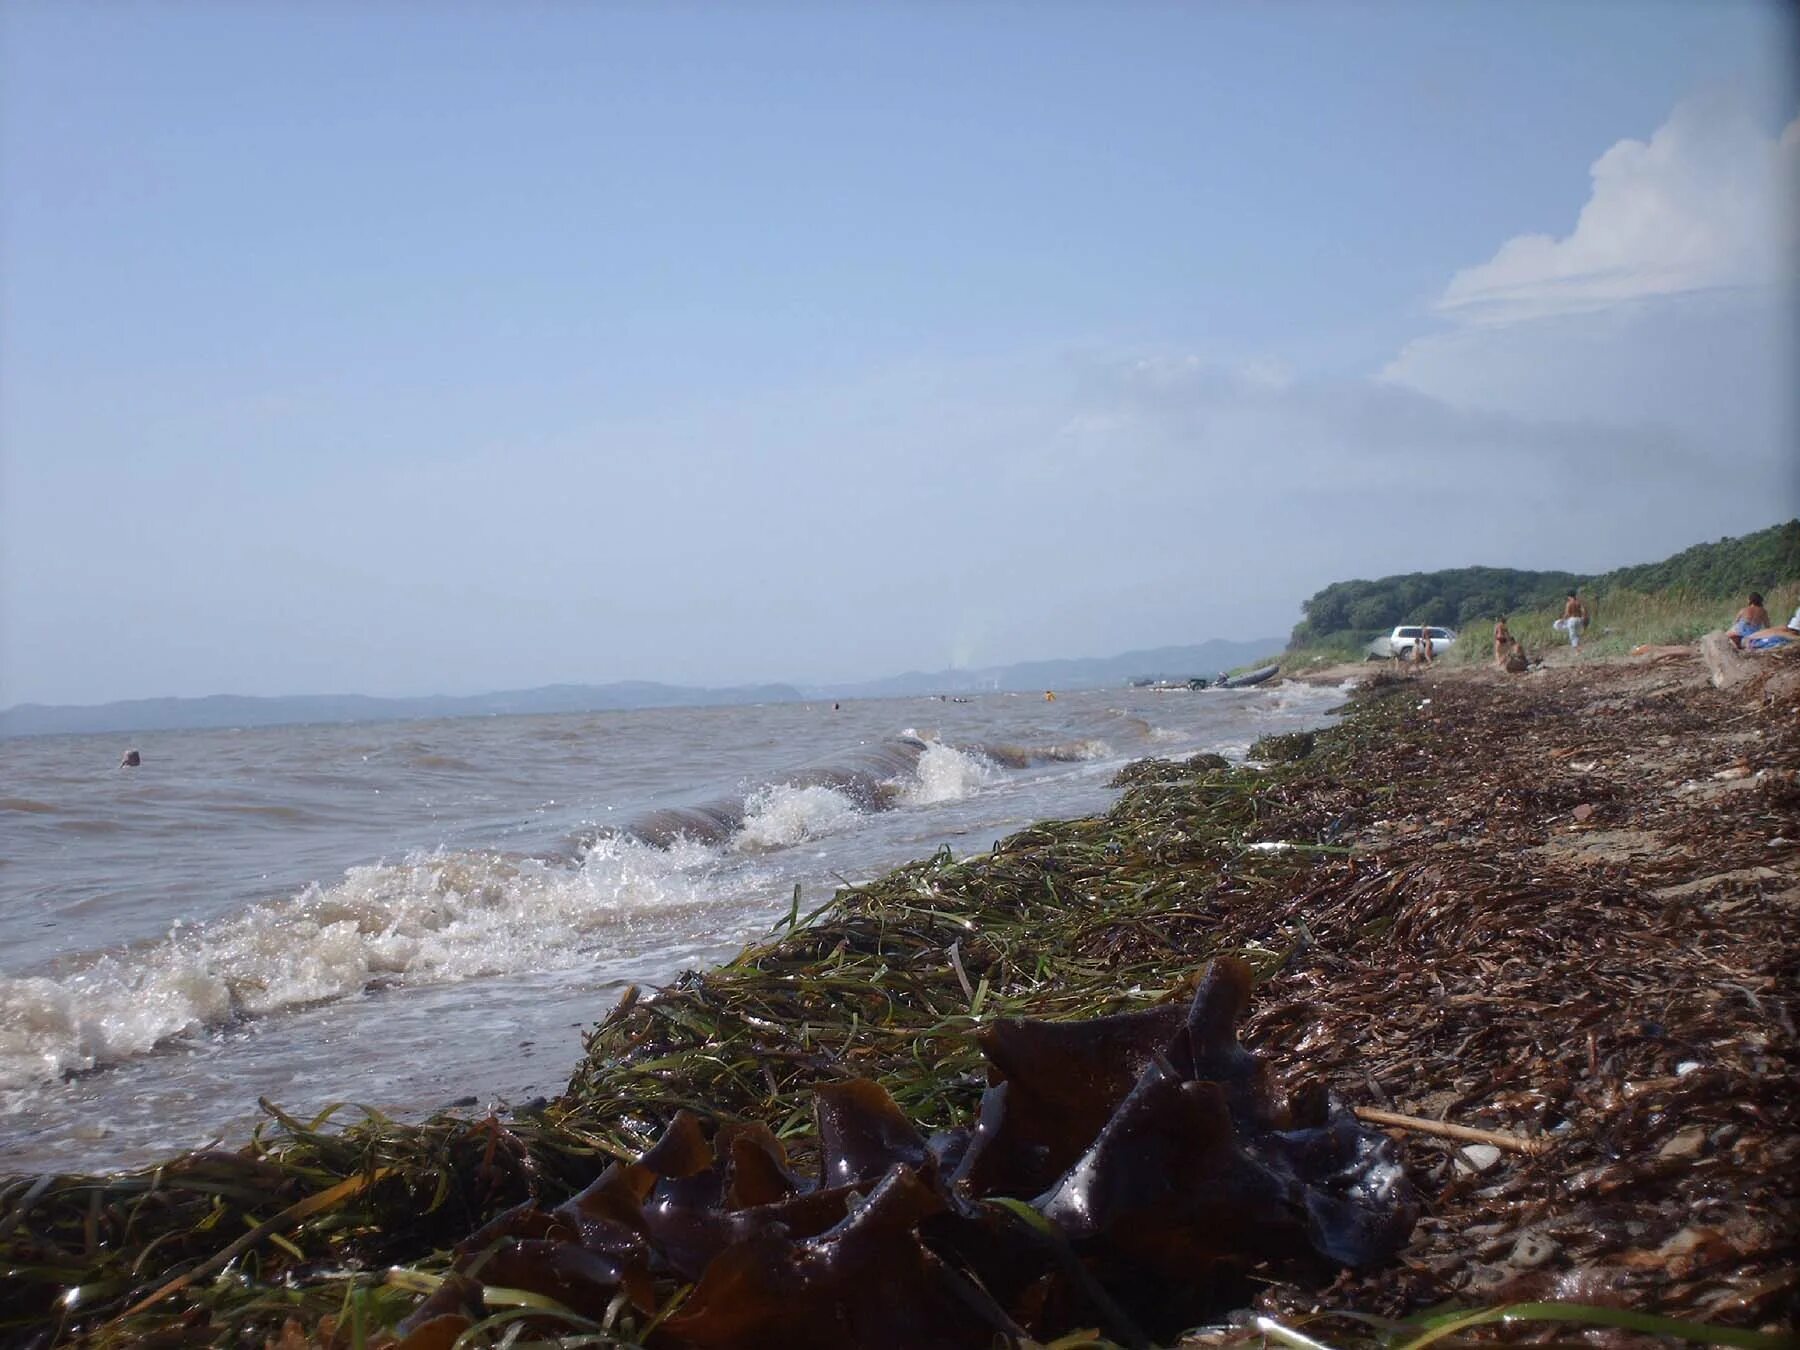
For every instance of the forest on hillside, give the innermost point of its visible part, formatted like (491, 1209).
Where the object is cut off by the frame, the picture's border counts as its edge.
(1457, 597)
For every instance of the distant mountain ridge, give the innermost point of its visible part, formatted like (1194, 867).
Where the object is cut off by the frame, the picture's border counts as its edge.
(239, 710)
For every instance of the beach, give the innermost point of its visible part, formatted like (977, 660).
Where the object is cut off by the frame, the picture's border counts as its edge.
(1554, 910)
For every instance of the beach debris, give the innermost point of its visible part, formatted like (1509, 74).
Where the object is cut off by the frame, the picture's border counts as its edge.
(1461, 958)
(1126, 1170)
(1497, 1139)
(1478, 1157)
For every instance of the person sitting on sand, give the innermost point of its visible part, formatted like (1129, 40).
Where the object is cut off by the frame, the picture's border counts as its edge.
(1517, 662)
(1767, 639)
(1574, 619)
(1750, 619)
(1503, 640)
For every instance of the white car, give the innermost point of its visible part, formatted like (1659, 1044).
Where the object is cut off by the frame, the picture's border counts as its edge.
(1399, 644)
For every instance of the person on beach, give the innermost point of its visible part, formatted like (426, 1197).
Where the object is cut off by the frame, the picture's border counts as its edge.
(1422, 649)
(1767, 639)
(1517, 662)
(1503, 640)
(1574, 619)
(1750, 619)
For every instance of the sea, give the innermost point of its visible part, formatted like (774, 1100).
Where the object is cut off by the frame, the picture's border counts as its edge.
(412, 916)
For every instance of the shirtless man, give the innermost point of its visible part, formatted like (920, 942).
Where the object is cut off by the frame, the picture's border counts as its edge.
(1574, 619)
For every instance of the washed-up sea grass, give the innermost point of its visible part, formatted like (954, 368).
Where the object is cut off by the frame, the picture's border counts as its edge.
(1434, 936)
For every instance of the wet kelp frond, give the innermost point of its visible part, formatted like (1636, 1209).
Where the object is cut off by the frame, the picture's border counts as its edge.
(1548, 908)
(1181, 1178)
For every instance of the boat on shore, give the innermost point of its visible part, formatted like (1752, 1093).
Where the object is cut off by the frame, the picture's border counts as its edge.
(1248, 678)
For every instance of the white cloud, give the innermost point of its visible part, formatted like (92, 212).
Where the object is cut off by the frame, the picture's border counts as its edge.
(1711, 201)
(1669, 313)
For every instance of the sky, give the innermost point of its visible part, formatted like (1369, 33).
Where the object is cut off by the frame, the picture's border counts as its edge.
(405, 349)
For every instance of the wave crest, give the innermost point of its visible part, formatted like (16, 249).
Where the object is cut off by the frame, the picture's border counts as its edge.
(946, 774)
(784, 815)
(432, 919)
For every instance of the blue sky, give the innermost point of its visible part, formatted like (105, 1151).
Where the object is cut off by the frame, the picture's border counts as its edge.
(405, 349)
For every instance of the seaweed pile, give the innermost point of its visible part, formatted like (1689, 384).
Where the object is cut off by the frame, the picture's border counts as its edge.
(1555, 912)
(1162, 1163)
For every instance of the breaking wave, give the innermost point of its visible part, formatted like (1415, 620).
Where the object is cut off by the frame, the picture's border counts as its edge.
(453, 915)
(946, 774)
(782, 816)
(434, 918)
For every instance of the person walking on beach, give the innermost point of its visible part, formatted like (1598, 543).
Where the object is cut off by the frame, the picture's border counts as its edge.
(1422, 651)
(1574, 619)
(1502, 640)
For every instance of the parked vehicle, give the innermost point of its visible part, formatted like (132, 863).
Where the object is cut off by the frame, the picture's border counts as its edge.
(1399, 644)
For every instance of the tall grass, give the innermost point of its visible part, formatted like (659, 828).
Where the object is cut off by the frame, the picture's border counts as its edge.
(1622, 619)
(1329, 651)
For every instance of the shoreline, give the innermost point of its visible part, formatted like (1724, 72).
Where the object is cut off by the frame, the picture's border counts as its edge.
(1497, 907)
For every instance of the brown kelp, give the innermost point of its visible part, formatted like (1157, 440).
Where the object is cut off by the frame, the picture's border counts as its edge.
(1546, 908)
(1147, 1196)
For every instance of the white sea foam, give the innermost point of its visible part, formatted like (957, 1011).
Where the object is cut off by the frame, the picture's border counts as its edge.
(946, 774)
(783, 815)
(435, 918)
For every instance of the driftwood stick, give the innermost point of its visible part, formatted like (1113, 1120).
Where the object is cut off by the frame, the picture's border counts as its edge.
(1468, 1134)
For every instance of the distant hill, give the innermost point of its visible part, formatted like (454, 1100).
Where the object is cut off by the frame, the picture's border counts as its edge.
(1100, 672)
(1354, 611)
(1718, 571)
(234, 710)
